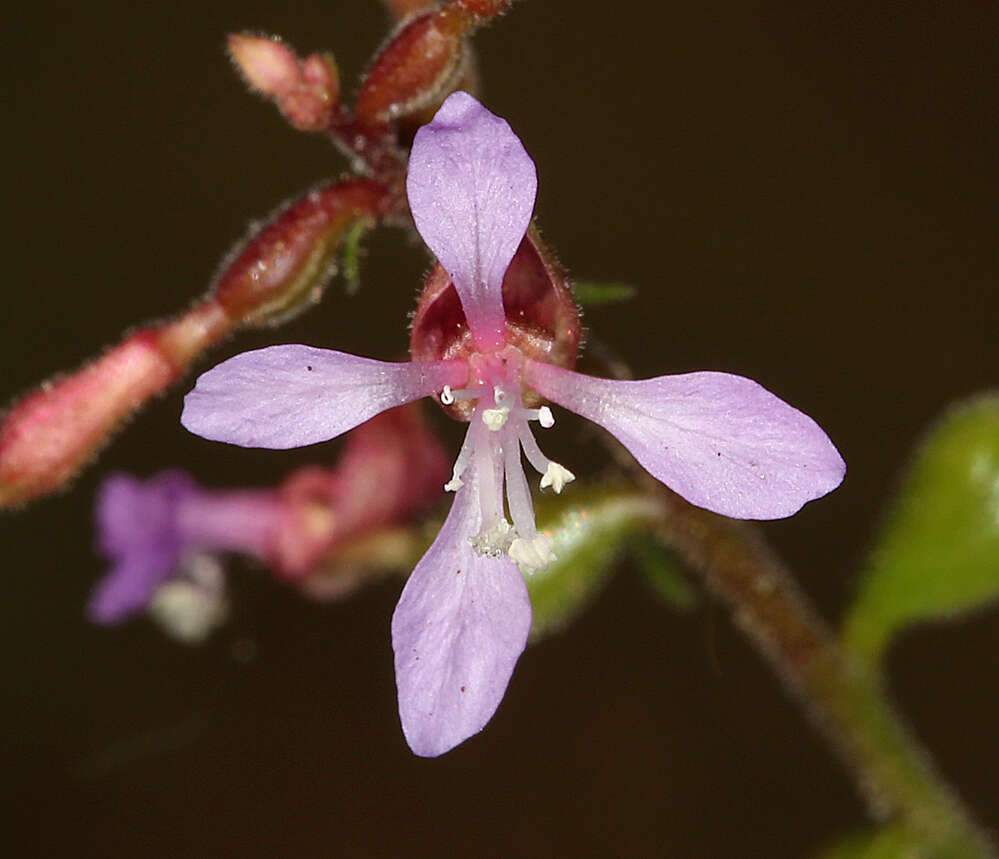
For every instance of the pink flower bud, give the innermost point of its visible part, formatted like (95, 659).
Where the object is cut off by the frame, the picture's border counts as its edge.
(319, 72)
(307, 93)
(266, 64)
(414, 69)
(49, 434)
(402, 9)
(483, 8)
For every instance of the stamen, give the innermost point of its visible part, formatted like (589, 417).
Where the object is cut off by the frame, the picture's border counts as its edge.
(488, 474)
(449, 395)
(495, 418)
(496, 541)
(556, 476)
(543, 416)
(518, 494)
(460, 464)
(532, 554)
(533, 453)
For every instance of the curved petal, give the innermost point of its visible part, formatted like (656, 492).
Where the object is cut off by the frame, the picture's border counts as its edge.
(131, 583)
(459, 628)
(291, 396)
(130, 513)
(723, 442)
(137, 528)
(471, 189)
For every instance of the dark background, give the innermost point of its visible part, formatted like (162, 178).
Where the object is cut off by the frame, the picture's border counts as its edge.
(805, 194)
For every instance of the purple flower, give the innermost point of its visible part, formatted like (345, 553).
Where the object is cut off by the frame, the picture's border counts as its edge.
(721, 441)
(148, 529)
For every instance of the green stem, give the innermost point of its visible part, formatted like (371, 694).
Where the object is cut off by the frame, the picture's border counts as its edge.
(844, 696)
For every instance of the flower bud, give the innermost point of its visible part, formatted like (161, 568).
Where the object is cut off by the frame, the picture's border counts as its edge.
(49, 434)
(320, 72)
(542, 318)
(402, 9)
(415, 69)
(482, 8)
(266, 64)
(283, 268)
(306, 92)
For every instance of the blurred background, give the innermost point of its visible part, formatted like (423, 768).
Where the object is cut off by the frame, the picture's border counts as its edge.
(804, 193)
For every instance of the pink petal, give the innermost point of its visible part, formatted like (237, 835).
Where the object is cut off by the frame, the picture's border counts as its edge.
(458, 630)
(723, 442)
(471, 189)
(290, 396)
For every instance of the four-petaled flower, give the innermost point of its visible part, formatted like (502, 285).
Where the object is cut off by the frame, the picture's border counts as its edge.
(721, 441)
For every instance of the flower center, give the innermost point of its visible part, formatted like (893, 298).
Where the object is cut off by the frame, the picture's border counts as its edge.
(499, 431)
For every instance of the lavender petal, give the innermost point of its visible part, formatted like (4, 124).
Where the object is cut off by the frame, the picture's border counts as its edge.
(459, 628)
(471, 187)
(290, 396)
(721, 441)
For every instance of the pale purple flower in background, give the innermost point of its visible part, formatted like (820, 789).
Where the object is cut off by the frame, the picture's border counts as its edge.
(150, 529)
(163, 535)
(721, 441)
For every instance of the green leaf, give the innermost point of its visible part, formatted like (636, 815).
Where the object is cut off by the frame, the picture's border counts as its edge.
(887, 843)
(660, 570)
(593, 294)
(938, 552)
(898, 842)
(587, 531)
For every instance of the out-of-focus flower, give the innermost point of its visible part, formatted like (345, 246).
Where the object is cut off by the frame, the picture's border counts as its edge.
(390, 470)
(161, 534)
(721, 441)
(148, 528)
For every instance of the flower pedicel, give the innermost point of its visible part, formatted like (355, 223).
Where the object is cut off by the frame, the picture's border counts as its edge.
(721, 441)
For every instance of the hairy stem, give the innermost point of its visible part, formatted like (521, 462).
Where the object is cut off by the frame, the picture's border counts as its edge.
(844, 697)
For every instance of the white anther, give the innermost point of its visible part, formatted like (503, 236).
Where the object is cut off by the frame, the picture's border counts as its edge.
(533, 554)
(447, 397)
(454, 484)
(494, 542)
(556, 476)
(495, 418)
(191, 606)
(545, 417)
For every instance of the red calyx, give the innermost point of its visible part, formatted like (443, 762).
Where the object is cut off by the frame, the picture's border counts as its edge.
(542, 317)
